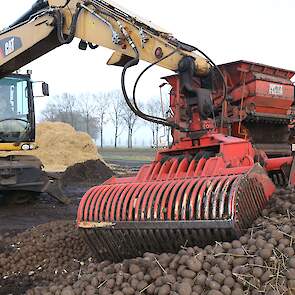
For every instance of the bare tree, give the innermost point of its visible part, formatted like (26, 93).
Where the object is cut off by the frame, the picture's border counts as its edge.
(155, 108)
(69, 101)
(68, 108)
(102, 107)
(88, 109)
(49, 113)
(61, 108)
(117, 105)
(130, 120)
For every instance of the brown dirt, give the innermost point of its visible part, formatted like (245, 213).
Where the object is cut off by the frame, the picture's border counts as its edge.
(260, 262)
(90, 172)
(48, 252)
(76, 180)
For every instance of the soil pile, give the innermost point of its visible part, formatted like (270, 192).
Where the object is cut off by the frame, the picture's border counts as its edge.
(260, 262)
(60, 146)
(90, 173)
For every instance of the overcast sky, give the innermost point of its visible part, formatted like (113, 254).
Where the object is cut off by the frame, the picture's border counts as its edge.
(228, 30)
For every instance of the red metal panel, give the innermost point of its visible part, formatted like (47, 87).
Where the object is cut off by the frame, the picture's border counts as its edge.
(121, 196)
(172, 199)
(96, 193)
(164, 205)
(181, 201)
(127, 204)
(134, 200)
(82, 204)
(160, 195)
(151, 201)
(194, 196)
(116, 202)
(138, 201)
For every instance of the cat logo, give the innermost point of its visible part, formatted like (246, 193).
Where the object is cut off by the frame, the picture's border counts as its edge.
(9, 45)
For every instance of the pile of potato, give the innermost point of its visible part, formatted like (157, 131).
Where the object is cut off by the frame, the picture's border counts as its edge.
(260, 262)
(46, 253)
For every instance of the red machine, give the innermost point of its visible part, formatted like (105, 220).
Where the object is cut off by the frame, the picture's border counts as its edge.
(215, 178)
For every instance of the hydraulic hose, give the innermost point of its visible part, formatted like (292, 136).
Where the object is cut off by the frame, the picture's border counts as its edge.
(135, 110)
(218, 70)
(59, 18)
(160, 120)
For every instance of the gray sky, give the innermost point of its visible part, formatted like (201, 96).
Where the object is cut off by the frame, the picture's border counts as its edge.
(227, 30)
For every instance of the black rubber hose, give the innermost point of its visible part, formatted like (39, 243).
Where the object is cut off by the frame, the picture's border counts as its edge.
(60, 23)
(139, 77)
(137, 112)
(219, 72)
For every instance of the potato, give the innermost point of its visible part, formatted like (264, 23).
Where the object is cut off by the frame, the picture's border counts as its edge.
(164, 290)
(68, 291)
(257, 272)
(214, 285)
(237, 292)
(134, 282)
(170, 279)
(214, 292)
(265, 253)
(219, 278)
(225, 290)
(155, 273)
(142, 285)
(291, 262)
(183, 259)
(128, 291)
(133, 269)
(266, 276)
(187, 273)
(151, 289)
(229, 282)
(194, 264)
(201, 279)
(184, 289)
(290, 274)
(289, 251)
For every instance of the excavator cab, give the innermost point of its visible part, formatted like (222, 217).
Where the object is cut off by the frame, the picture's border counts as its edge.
(17, 116)
(21, 175)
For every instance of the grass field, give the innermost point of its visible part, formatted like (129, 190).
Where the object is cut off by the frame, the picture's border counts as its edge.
(124, 154)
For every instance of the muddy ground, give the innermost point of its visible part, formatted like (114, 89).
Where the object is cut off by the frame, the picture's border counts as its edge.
(15, 219)
(75, 181)
(52, 258)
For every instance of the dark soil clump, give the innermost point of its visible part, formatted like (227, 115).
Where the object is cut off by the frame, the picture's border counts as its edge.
(90, 172)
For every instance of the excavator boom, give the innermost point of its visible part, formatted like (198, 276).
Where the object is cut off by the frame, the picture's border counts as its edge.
(98, 23)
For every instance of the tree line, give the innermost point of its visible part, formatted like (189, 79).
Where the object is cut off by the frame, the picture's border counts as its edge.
(91, 113)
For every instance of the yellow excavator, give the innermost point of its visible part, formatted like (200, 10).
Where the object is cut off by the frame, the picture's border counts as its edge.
(219, 172)
(21, 175)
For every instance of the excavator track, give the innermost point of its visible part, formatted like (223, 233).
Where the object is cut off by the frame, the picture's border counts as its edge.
(126, 220)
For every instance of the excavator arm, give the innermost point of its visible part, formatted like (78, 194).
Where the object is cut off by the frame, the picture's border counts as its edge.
(52, 23)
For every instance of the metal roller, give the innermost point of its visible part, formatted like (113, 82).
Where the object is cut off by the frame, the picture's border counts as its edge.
(127, 219)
